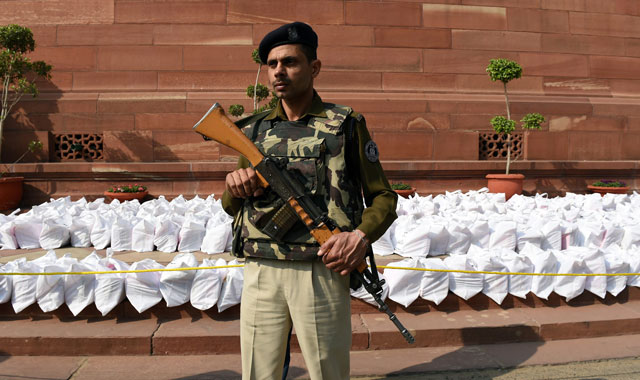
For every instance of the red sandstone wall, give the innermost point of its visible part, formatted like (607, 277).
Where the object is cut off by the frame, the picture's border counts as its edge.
(142, 72)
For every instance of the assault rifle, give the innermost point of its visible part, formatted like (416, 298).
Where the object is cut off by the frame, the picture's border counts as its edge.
(215, 125)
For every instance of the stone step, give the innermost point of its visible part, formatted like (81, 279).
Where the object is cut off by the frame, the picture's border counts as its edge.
(203, 334)
(528, 360)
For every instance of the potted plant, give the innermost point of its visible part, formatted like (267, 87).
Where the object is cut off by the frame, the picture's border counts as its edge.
(11, 187)
(18, 75)
(505, 70)
(403, 189)
(609, 186)
(127, 192)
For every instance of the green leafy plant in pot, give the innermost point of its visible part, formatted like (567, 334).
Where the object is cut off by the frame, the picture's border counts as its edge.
(18, 74)
(127, 192)
(504, 70)
(403, 189)
(605, 186)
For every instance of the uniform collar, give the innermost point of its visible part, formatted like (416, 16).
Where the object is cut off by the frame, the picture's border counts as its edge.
(317, 109)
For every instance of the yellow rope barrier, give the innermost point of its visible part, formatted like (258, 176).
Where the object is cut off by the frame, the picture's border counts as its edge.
(379, 266)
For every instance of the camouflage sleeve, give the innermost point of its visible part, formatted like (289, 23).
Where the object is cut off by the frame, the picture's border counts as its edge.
(232, 205)
(379, 198)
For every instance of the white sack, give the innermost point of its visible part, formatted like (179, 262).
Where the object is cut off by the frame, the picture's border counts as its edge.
(495, 286)
(594, 262)
(616, 264)
(207, 284)
(110, 288)
(412, 238)
(121, 234)
(464, 285)
(143, 289)
(7, 236)
(24, 286)
(434, 286)
(142, 236)
(459, 238)
(191, 235)
(53, 234)
(404, 285)
(519, 285)
(385, 245)
(79, 289)
(481, 233)
(589, 235)
(218, 233)
(531, 236)
(631, 237)
(80, 231)
(101, 232)
(552, 232)
(27, 234)
(166, 235)
(438, 239)
(613, 235)
(6, 283)
(633, 258)
(503, 235)
(569, 286)
(231, 292)
(175, 286)
(543, 262)
(50, 289)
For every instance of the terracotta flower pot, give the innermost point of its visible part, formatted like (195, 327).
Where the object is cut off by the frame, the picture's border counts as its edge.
(406, 193)
(509, 184)
(602, 190)
(127, 196)
(10, 192)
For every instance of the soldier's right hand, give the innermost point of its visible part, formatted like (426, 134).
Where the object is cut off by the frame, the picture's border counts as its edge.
(243, 183)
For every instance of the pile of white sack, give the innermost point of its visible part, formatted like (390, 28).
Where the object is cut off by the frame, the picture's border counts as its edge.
(202, 288)
(180, 225)
(477, 231)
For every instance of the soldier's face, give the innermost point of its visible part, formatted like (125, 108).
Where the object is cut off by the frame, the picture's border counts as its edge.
(290, 73)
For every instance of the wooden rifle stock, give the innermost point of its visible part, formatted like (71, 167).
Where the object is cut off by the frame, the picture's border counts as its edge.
(216, 125)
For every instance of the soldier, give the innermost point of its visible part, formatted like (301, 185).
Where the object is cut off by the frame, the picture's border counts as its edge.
(289, 279)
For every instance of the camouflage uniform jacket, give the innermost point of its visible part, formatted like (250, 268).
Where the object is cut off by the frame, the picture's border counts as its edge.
(315, 150)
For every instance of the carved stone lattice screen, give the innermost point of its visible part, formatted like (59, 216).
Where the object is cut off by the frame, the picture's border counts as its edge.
(79, 146)
(494, 147)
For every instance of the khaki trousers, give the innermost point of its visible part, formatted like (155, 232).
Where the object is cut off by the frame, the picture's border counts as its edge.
(279, 293)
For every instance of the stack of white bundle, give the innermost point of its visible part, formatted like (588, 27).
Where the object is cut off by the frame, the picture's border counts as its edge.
(479, 231)
(454, 222)
(180, 225)
(203, 288)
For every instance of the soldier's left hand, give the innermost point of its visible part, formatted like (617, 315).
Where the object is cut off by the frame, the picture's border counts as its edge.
(344, 251)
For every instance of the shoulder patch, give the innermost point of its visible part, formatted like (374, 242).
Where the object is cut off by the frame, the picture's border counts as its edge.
(371, 151)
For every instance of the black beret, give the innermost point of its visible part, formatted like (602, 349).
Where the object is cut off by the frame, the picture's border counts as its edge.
(294, 33)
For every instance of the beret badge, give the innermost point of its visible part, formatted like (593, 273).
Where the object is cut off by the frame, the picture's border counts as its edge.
(293, 33)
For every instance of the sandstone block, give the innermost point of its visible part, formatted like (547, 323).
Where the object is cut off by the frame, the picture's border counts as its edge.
(128, 146)
(391, 14)
(413, 37)
(139, 58)
(191, 12)
(463, 17)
